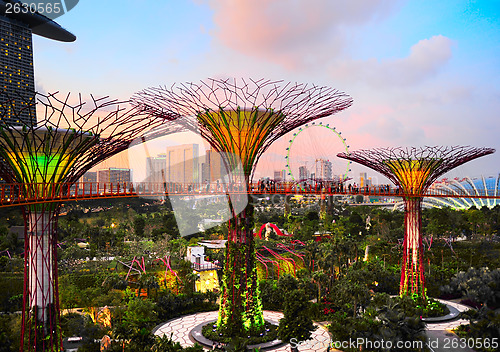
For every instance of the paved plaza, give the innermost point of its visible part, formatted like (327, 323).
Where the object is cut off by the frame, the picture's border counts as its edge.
(440, 334)
(179, 330)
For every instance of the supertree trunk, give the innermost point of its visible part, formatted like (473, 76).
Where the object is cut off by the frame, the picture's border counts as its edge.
(241, 119)
(240, 311)
(412, 270)
(41, 318)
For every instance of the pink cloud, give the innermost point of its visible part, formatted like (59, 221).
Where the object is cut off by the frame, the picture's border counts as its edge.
(290, 32)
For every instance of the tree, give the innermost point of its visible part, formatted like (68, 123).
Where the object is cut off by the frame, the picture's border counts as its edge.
(135, 324)
(352, 290)
(396, 325)
(295, 323)
(139, 225)
(475, 218)
(483, 324)
(319, 278)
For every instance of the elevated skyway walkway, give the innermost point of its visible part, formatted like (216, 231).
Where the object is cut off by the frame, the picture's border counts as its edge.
(12, 194)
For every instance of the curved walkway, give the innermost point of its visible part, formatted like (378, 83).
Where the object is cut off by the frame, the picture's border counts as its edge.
(439, 333)
(179, 329)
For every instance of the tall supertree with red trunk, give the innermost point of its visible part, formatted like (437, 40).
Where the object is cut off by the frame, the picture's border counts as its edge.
(413, 170)
(42, 158)
(241, 119)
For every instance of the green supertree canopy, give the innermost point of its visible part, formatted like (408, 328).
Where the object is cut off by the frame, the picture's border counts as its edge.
(66, 142)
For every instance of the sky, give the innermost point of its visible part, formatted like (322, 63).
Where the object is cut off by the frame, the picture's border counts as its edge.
(420, 72)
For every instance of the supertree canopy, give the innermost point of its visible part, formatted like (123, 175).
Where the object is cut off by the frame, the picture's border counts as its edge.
(240, 119)
(413, 170)
(64, 144)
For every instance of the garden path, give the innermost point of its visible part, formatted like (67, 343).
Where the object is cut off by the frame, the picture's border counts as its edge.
(179, 329)
(439, 334)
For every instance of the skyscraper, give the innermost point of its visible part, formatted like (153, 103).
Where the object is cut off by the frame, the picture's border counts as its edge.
(182, 163)
(303, 173)
(213, 168)
(364, 180)
(279, 175)
(156, 168)
(323, 169)
(17, 78)
(113, 177)
(16, 70)
(88, 182)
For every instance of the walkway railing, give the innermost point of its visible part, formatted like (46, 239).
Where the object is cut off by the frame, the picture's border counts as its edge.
(206, 266)
(22, 193)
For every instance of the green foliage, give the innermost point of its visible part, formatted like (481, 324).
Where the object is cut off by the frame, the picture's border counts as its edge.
(273, 291)
(387, 225)
(84, 289)
(295, 323)
(269, 295)
(72, 324)
(11, 292)
(479, 285)
(9, 241)
(344, 327)
(240, 312)
(135, 323)
(351, 293)
(139, 225)
(433, 308)
(170, 306)
(483, 324)
(9, 342)
(385, 319)
(209, 333)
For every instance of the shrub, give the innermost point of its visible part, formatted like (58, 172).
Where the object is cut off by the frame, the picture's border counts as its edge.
(171, 306)
(479, 285)
(483, 324)
(295, 323)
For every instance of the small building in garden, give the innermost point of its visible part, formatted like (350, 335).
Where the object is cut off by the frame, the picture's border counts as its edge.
(207, 271)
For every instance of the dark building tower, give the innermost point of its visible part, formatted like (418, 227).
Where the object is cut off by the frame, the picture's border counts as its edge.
(17, 79)
(16, 71)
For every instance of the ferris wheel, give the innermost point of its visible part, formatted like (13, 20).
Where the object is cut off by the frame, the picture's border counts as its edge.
(311, 154)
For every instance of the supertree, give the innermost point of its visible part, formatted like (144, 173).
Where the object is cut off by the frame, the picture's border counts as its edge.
(413, 170)
(240, 119)
(41, 158)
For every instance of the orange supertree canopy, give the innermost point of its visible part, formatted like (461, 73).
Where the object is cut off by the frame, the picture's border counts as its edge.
(241, 132)
(242, 118)
(413, 174)
(414, 169)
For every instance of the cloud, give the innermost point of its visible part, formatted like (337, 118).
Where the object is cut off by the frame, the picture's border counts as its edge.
(290, 32)
(425, 60)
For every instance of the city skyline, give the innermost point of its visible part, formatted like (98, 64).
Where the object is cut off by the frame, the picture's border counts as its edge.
(420, 73)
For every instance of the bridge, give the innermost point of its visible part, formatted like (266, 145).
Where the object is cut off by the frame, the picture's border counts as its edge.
(14, 194)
